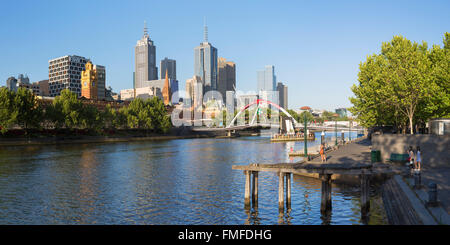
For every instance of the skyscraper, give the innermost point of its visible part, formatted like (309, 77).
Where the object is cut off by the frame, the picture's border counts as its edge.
(267, 79)
(226, 77)
(145, 60)
(282, 95)
(170, 66)
(205, 63)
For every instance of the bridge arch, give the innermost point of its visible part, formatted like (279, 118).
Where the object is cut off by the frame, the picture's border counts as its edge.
(261, 101)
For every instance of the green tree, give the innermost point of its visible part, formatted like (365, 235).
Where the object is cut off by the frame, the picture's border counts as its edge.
(8, 111)
(309, 117)
(65, 110)
(404, 84)
(29, 112)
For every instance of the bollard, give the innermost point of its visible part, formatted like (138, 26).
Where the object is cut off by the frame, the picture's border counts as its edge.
(432, 194)
(417, 179)
(322, 137)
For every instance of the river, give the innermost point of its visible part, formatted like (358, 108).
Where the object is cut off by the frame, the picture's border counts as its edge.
(186, 181)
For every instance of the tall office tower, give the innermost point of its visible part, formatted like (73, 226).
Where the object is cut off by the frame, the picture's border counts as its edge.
(89, 82)
(101, 81)
(170, 66)
(205, 63)
(65, 73)
(226, 77)
(267, 79)
(194, 92)
(282, 95)
(145, 61)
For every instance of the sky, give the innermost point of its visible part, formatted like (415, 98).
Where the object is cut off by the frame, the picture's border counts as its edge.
(315, 46)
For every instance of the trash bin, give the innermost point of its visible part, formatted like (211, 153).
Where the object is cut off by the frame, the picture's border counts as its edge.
(373, 156)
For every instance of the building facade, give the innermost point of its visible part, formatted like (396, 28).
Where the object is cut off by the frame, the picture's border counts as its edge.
(194, 93)
(226, 77)
(65, 73)
(169, 66)
(101, 81)
(267, 79)
(145, 61)
(11, 84)
(282, 95)
(40, 88)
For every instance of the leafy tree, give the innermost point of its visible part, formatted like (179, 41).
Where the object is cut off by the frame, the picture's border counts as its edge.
(309, 117)
(29, 112)
(8, 111)
(405, 83)
(91, 118)
(66, 110)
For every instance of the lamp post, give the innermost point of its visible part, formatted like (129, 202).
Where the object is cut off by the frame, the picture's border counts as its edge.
(305, 137)
(322, 137)
(335, 132)
(350, 130)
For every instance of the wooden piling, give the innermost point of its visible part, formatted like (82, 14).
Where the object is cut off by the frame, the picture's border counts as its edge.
(325, 205)
(288, 191)
(247, 189)
(255, 189)
(281, 191)
(365, 194)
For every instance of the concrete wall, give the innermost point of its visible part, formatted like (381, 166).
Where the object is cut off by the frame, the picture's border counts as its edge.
(435, 149)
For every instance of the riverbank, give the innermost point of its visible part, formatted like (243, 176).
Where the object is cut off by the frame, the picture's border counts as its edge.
(75, 137)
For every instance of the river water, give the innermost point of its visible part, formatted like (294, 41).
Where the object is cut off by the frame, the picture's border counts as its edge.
(188, 181)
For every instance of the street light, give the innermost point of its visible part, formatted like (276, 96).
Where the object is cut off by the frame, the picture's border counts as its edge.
(335, 131)
(305, 137)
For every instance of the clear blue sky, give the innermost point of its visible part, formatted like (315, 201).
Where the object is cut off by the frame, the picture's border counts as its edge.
(315, 46)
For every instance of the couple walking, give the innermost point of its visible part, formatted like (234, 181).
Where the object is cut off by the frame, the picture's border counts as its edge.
(415, 158)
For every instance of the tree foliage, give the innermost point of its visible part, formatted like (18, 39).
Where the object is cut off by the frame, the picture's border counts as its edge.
(67, 111)
(404, 85)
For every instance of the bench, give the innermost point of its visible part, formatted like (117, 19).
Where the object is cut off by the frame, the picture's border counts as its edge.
(395, 157)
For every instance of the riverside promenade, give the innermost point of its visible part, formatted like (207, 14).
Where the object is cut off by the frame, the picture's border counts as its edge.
(405, 203)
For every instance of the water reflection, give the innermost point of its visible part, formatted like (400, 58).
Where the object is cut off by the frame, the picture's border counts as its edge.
(158, 182)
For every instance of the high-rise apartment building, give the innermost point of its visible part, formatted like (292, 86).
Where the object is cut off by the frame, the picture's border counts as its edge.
(65, 73)
(205, 63)
(267, 79)
(169, 66)
(145, 61)
(226, 77)
(282, 95)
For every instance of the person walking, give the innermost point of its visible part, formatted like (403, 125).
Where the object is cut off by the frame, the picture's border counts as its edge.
(411, 157)
(322, 152)
(418, 158)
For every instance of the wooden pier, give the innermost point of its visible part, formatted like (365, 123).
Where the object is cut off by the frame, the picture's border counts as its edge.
(351, 164)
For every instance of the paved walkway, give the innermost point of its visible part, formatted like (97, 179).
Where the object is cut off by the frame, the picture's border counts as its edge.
(359, 152)
(354, 153)
(440, 176)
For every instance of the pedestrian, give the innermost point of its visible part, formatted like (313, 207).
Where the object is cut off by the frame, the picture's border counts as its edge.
(411, 157)
(418, 158)
(322, 152)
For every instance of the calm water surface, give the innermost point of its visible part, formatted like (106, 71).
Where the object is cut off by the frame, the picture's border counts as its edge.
(186, 181)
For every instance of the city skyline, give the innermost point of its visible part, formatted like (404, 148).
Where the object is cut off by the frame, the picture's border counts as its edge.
(313, 46)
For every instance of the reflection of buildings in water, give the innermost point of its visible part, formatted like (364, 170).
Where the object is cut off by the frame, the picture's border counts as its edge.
(88, 178)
